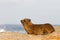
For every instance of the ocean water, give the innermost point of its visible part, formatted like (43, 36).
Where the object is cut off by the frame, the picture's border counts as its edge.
(12, 28)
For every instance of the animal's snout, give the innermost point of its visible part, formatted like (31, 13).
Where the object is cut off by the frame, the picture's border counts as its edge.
(21, 20)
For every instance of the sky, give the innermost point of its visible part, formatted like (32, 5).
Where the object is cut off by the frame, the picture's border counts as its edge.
(39, 11)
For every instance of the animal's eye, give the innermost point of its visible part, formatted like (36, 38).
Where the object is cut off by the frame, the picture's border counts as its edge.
(29, 20)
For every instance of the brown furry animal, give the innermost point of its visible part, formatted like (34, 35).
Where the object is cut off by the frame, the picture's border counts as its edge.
(37, 28)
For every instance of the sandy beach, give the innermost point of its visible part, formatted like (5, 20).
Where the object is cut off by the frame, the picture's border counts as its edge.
(19, 36)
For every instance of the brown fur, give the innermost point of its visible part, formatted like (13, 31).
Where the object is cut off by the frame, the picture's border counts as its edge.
(37, 28)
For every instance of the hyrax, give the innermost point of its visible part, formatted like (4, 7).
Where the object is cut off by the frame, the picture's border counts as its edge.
(37, 29)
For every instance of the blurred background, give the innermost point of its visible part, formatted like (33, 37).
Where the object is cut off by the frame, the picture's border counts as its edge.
(39, 11)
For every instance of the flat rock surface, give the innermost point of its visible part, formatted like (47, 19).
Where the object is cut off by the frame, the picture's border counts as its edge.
(19, 36)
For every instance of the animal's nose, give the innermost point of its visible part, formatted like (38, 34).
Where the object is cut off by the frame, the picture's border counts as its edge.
(21, 20)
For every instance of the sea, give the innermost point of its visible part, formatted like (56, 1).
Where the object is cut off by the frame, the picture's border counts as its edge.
(13, 28)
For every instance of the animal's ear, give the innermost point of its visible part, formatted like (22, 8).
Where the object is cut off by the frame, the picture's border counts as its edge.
(29, 19)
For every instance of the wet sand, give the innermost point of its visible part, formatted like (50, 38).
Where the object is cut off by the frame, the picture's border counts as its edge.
(19, 36)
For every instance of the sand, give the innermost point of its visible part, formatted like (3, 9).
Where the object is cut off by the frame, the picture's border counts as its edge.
(19, 36)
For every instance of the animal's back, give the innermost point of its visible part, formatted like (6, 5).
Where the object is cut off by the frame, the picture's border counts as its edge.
(43, 28)
(49, 27)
